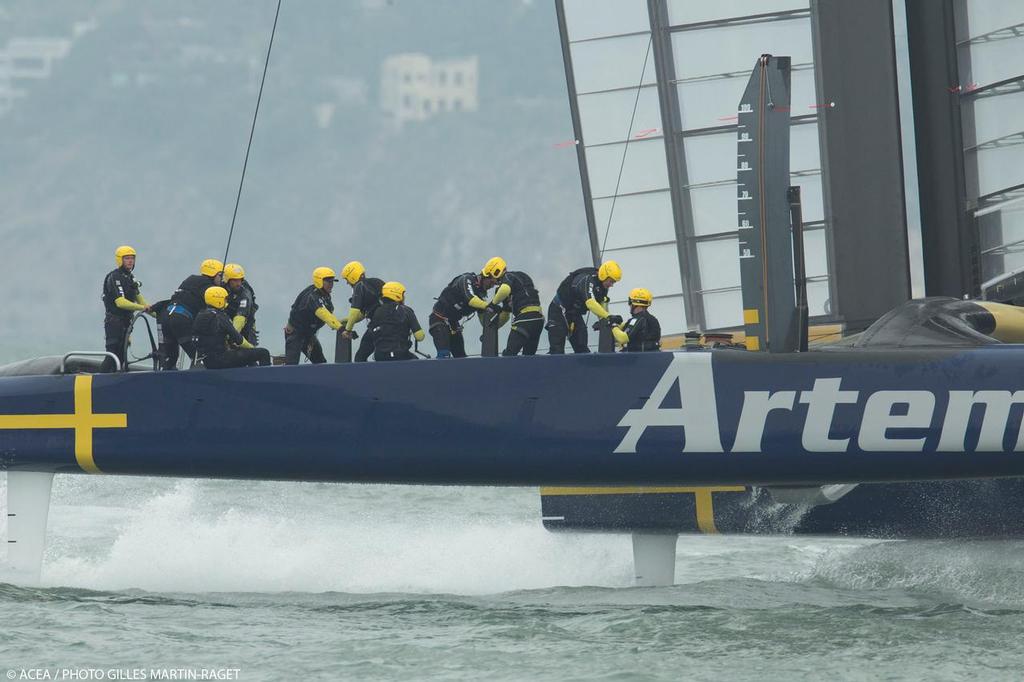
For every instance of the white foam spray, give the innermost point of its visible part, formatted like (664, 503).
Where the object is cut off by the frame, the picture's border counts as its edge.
(171, 544)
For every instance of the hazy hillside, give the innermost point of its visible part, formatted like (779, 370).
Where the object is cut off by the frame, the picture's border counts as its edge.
(138, 134)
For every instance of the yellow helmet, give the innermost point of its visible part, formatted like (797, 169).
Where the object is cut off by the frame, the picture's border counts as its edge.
(210, 267)
(233, 271)
(609, 270)
(353, 271)
(122, 251)
(640, 296)
(495, 268)
(323, 274)
(393, 291)
(216, 297)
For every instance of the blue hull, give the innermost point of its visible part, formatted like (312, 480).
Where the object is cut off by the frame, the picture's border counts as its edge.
(705, 418)
(935, 509)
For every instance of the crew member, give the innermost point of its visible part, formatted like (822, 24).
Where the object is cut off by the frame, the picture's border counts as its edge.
(641, 332)
(186, 302)
(391, 325)
(584, 289)
(517, 294)
(218, 342)
(463, 296)
(366, 293)
(312, 309)
(241, 309)
(121, 298)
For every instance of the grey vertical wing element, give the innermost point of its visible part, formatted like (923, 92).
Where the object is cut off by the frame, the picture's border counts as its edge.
(577, 131)
(765, 243)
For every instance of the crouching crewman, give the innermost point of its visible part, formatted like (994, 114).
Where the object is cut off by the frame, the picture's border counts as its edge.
(216, 340)
(642, 331)
(391, 325)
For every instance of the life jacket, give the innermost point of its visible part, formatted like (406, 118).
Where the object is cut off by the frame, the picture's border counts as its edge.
(453, 301)
(211, 330)
(303, 317)
(119, 282)
(523, 294)
(391, 325)
(366, 295)
(575, 289)
(644, 333)
(191, 293)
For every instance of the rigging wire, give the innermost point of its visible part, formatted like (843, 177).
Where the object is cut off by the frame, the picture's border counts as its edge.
(252, 130)
(629, 135)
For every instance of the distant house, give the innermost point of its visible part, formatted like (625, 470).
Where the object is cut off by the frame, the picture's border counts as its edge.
(25, 59)
(415, 88)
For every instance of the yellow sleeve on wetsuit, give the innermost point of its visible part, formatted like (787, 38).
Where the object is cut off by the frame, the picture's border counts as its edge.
(239, 322)
(502, 293)
(124, 304)
(246, 344)
(141, 301)
(596, 308)
(478, 303)
(328, 317)
(621, 337)
(419, 335)
(354, 315)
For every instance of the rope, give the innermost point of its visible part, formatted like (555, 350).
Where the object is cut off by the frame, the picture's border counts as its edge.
(629, 135)
(252, 130)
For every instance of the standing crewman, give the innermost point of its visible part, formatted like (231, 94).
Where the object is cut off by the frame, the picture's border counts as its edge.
(392, 324)
(517, 293)
(218, 344)
(463, 296)
(584, 289)
(366, 293)
(311, 310)
(642, 332)
(121, 298)
(186, 302)
(241, 308)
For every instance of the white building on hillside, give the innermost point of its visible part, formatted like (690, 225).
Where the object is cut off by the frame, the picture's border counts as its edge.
(414, 88)
(25, 59)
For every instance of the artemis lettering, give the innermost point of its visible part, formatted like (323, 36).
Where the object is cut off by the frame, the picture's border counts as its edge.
(698, 415)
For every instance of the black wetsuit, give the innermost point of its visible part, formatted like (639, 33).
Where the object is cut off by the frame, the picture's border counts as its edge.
(391, 326)
(527, 318)
(644, 333)
(212, 331)
(119, 282)
(243, 302)
(304, 325)
(366, 299)
(451, 308)
(565, 313)
(176, 319)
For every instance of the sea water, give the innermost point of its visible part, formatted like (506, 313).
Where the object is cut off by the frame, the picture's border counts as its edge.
(265, 581)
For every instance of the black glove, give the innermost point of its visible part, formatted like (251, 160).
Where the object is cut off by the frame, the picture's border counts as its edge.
(614, 319)
(494, 309)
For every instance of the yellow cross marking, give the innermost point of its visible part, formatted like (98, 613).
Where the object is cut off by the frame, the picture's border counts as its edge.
(701, 496)
(83, 421)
